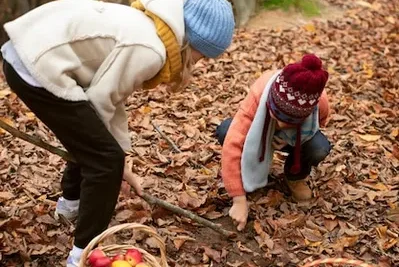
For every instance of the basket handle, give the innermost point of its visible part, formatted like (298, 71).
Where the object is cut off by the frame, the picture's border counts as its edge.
(125, 226)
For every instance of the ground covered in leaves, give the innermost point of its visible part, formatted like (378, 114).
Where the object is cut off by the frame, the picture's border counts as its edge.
(354, 211)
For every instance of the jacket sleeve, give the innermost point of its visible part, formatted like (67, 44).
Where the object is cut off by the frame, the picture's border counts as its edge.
(235, 138)
(324, 109)
(125, 70)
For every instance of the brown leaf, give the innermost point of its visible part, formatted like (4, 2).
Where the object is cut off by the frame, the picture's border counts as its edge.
(213, 254)
(191, 199)
(273, 199)
(178, 243)
(369, 137)
(235, 264)
(152, 242)
(124, 215)
(395, 151)
(243, 248)
(46, 219)
(180, 240)
(204, 100)
(213, 215)
(5, 92)
(162, 158)
(6, 196)
(330, 224)
(189, 130)
(346, 241)
(312, 235)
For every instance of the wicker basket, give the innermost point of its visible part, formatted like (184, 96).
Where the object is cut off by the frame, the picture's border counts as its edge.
(112, 250)
(338, 262)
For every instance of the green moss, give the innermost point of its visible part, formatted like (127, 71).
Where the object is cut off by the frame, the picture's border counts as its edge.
(307, 7)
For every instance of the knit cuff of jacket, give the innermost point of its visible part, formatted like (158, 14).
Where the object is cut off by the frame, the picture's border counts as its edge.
(233, 190)
(173, 66)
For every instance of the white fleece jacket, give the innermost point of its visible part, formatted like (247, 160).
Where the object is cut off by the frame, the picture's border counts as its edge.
(95, 51)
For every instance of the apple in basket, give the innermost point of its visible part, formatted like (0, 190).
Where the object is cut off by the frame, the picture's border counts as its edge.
(120, 263)
(133, 256)
(142, 264)
(97, 258)
(118, 257)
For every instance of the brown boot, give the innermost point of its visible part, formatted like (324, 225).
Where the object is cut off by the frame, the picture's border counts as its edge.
(300, 190)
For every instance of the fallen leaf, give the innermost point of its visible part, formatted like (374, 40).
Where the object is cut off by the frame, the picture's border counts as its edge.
(6, 195)
(273, 198)
(189, 130)
(213, 254)
(162, 158)
(46, 219)
(124, 215)
(369, 137)
(312, 235)
(235, 264)
(180, 240)
(310, 27)
(390, 19)
(152, 242)
(395, 151)
(5, 92)
(330, 224)
(213, 215)
(191, 200)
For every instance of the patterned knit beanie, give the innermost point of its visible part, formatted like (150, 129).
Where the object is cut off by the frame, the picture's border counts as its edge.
(294, 96)
(209, 25)
(297, 90)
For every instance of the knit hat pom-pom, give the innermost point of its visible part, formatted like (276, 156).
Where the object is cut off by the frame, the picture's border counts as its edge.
(311, 62)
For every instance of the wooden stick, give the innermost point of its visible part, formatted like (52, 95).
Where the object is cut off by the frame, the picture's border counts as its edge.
(176, 148)
(170, 142)
(150, 199)
(189, 214)
(35, 141)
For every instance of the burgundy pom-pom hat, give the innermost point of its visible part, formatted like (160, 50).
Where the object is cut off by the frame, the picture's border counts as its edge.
(293, 97)
(297, 90)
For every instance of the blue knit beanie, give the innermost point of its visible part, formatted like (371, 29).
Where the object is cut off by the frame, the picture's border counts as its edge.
(209, 25)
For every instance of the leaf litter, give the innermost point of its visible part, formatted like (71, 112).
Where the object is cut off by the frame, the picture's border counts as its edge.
(354, 212)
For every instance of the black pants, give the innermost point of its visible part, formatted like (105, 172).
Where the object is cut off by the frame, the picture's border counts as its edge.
(96, 177)
(312, 152)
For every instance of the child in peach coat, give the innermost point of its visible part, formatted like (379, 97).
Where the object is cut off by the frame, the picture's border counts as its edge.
(283, 110)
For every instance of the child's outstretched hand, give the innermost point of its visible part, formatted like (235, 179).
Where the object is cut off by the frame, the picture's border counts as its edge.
(239, 211)
(131, 179)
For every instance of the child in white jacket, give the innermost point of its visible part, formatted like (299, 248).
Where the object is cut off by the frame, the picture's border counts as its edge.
(74, 63)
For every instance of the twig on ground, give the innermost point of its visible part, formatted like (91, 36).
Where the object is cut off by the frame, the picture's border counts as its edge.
(148, 198)
(188, 214)
(176, 148)
(35, 141)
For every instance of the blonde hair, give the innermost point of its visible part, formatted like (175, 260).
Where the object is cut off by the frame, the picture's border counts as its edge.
(185, 75)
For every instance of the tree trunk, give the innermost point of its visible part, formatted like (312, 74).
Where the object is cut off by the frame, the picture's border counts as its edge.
(244, 10)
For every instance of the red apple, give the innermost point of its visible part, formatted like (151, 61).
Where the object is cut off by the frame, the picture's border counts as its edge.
(102, 262)
(119, 257)
(133, 256)
(95, 255)
(143, 264)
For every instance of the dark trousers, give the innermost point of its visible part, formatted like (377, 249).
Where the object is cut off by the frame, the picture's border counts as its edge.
(96, 177)
(312, 152)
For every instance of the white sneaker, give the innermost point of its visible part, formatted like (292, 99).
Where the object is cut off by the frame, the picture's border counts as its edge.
(67, 208)
(71, 262)
(74, 257)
